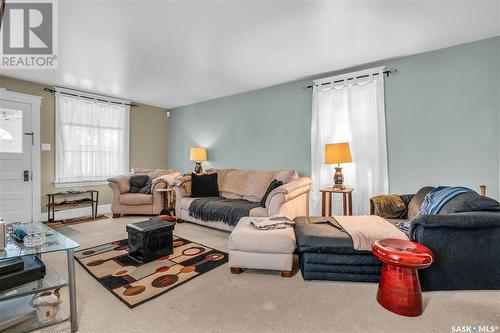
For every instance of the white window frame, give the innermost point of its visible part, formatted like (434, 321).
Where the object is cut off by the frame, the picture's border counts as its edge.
(62, 184)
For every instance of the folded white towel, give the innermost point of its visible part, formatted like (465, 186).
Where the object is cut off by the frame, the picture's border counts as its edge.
(273, 222)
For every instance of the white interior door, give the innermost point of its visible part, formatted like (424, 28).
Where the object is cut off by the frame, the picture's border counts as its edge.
(16, 144)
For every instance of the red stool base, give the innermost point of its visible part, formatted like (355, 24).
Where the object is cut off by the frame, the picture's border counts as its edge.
(399, 290)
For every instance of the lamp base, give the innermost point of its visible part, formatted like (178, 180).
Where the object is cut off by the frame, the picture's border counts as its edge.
(338, 178)
(198, 168)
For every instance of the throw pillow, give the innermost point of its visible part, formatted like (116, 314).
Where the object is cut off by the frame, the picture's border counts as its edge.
(469, 202)
(274, 184)
(204, 185)
(146, 189)
(417, 201)
(137, 182)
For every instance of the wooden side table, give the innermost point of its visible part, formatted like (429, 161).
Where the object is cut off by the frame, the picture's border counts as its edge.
(327, 196)
(167, 199)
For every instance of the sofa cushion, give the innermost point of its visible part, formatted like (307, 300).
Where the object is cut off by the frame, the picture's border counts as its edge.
(204, 185)
(247, 238)
(136, 199)
(249, 183)
(221, 176)
(186, 202)
(160, 172)
(417, 201)
(469, 202)
(152, 173)
(229, 195)
(228, 211)
(286, 176)
(314, 234)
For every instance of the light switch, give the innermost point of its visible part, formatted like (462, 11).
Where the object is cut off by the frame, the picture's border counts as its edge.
(45, 146)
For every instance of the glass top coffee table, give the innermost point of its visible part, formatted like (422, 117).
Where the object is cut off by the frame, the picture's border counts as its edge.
(12, 300)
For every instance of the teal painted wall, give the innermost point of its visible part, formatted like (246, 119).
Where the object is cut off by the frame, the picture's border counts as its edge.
(442, 114)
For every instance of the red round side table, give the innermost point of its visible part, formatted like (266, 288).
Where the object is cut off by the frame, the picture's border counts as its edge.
(399, 289)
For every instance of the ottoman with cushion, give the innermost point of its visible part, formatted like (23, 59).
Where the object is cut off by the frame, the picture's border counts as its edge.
(327, 253)
(250, 247)
(150, 240)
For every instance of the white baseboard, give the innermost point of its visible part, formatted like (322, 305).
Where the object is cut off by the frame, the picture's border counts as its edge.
(77, 212)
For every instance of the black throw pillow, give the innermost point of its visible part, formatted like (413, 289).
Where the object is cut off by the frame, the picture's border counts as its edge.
(274, 184)
(204, 185)
(137, 182)
(147, 188)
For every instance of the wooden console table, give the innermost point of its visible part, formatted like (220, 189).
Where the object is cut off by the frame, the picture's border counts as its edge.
(327, 196)
(92, 199)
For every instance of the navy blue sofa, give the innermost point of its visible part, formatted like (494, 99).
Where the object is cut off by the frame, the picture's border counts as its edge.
(464, 238)
(466, 249)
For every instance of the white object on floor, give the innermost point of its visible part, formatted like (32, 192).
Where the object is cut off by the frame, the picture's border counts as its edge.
(47, 305)
(253, 248)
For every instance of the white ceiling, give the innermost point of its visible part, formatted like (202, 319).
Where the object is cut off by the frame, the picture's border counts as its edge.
(173, 53)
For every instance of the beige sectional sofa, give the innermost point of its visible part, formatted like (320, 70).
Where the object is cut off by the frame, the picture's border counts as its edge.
(291, 199)
(124, 202)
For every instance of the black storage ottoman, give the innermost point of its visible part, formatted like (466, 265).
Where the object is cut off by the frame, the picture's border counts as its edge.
(327, 253)
(150, 240)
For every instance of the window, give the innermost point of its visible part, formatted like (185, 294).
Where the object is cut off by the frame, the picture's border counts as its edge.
(92, 138)
(11, 131)
(350, 108)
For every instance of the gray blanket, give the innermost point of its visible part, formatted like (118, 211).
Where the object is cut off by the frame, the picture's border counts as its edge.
(229, 211)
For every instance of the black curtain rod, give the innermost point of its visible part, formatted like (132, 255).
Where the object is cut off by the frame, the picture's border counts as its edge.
(389, 72)
(131, 104)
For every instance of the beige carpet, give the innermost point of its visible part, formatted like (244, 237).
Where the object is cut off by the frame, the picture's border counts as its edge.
(257, 301)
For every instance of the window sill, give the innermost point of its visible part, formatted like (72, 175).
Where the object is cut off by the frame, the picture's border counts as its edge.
(80, 184)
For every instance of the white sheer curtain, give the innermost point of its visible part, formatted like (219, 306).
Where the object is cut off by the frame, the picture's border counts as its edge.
(350, 111)
(92, 139)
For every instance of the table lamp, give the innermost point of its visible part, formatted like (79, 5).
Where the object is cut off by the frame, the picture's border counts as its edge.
(198, 155)
(338, 153)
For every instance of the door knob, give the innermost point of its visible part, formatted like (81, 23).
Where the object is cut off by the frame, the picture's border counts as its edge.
(32, 134)
(26, 175)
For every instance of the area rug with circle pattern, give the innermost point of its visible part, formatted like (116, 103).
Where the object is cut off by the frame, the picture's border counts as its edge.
(135, 283)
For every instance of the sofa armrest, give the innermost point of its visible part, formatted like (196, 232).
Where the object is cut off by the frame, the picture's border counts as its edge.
(289, 190)
(466, 220)
(122, 181)
(182, 186)
(465, 247)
